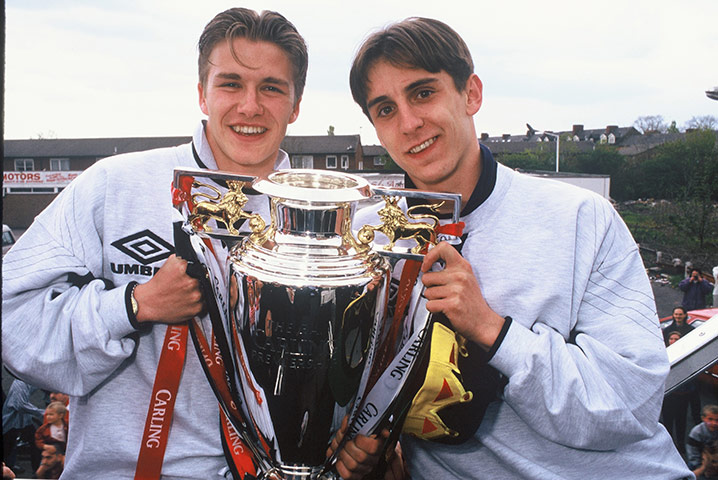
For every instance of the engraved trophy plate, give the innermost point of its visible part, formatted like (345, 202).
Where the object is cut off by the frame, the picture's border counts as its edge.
(298, 309)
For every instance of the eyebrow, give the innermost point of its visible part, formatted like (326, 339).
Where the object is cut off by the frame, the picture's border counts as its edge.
(272, 80)
(419, 83)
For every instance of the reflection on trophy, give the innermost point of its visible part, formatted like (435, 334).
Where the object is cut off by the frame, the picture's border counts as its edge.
(298, 334)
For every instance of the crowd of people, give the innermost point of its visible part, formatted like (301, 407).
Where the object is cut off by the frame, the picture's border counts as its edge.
(576, 346)
(42, 434)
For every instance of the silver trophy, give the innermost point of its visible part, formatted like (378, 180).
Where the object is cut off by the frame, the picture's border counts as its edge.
(299, 337)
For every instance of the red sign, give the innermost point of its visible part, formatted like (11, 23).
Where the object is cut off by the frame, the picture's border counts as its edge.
(38, 179)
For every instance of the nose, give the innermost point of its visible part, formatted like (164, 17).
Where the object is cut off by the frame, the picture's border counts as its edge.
(249, 103)
(409, 119)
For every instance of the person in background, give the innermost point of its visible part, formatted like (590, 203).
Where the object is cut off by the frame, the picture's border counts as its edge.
(54, 428)
(695, 288)
(701, 435)
(577, 340)
(53, 460)
(20, 419)
(675, 406)
(678, 324)
(709, 463)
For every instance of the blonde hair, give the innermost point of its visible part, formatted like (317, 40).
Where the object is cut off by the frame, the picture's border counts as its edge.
(57, 407)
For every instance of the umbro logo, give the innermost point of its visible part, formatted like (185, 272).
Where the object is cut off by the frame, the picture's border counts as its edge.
(145, 247)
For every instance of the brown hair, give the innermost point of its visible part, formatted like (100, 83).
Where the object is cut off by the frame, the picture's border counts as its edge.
(412, 43)
(266, 26)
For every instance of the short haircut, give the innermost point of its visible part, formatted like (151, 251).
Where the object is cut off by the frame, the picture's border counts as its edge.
(266, 26)
(412, 43)
(709, 410)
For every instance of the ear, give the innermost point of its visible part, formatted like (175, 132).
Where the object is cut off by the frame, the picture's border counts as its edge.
(295, 111)
(202, 101)
(474, 94)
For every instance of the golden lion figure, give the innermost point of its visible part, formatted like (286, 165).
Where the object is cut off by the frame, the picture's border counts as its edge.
(396, 225)
(225, 208)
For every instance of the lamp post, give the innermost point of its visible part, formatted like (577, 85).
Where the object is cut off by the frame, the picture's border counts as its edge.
(558, 141)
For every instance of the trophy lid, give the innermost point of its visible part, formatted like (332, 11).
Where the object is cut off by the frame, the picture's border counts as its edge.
(314, 186)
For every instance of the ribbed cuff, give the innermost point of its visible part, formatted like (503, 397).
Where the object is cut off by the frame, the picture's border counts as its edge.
(500, 338)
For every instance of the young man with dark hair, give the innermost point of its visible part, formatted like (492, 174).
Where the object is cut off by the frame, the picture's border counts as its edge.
(93, 294)
(577, 339)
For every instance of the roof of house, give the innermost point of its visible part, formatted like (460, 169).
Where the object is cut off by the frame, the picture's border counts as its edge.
(320, 144)
(373, 150)
(86, 147)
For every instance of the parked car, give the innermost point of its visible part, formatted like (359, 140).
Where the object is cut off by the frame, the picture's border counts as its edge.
(696, 318)
(8, 239)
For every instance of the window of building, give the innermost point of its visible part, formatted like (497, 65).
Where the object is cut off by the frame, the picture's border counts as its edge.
(331, 161)
(345, 161)
(611, 138)
(604, 138)
(302, 161)
(24, 164)
(58, 164)
(379, 161)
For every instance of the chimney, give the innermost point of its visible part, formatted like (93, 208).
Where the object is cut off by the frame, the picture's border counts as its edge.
(484, 136)
(577, 130)
(506, 137)
(611, 129)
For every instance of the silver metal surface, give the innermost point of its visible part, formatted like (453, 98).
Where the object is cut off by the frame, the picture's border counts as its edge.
(692, 354)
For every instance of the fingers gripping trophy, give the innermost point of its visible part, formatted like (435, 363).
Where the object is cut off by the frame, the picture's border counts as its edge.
(300, 334)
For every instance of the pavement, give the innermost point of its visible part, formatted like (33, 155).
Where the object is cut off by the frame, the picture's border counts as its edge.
(667, 298)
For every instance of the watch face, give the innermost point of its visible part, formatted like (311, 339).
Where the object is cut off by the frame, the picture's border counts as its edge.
(135, 306)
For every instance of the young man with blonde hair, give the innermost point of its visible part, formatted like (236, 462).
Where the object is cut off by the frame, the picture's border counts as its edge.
(93, 293)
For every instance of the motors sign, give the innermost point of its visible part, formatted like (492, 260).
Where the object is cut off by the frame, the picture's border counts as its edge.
(38, 179)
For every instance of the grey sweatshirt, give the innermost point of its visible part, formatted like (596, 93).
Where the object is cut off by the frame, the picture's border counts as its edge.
(113, 222)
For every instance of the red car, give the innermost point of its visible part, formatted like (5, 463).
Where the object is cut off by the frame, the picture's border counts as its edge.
(696, 318)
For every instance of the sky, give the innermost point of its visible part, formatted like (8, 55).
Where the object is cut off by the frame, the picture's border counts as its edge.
(125, 68)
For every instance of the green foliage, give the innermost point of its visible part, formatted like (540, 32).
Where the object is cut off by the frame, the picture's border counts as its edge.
(531, 160)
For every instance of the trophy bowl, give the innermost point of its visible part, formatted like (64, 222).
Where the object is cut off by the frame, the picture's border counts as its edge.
(310, 302)
(298, 337)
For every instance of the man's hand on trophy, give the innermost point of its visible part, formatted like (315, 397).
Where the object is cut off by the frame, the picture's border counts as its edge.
(171, 295)
(358, 456)
(455, 292)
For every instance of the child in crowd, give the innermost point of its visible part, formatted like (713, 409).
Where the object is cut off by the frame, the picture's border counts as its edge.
(701, 435)
(54, 429)
(709, 466)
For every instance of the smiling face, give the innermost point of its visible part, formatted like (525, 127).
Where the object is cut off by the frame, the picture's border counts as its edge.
(426, 125)
(679, 315)
(249, 101)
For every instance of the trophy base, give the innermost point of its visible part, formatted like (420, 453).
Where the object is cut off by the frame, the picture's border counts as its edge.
(298, 472)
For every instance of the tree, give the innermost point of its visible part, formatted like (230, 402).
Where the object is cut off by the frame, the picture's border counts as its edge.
(673, 128)
(651, 124)
(702, 122)
(330, 130)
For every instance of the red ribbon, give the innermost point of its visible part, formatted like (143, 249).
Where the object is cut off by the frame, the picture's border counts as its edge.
(159, 413)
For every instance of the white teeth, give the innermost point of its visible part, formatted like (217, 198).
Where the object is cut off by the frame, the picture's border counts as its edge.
(249, 130)
(421, 147)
